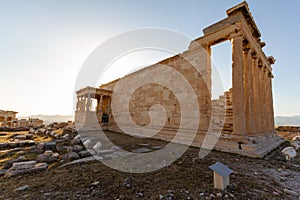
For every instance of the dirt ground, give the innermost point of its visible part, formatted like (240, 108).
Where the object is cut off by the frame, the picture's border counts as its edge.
(187, 178)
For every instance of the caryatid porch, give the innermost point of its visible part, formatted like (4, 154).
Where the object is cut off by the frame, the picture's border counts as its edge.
(91, 104)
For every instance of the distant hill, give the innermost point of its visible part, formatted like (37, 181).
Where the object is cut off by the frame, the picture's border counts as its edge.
(52, 118)
(287, 121)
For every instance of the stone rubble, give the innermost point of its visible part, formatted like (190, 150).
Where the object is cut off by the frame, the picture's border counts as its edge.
(20, 169)
(22, 188)
(47, 157)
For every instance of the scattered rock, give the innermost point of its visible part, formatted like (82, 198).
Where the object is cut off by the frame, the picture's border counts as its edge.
(156, 147)
(29, 136)
(83, 160)
(48, 157)
(31, 131)
(85, 153)
(127, 183)
(296, 138)
(3, 145)
(87, 143)
(140, 194)
(106, 151)
(66, 136)
(47, 194)
(75, 141)
(75, 148)
(95, 183)
(36, 168)
(289, 153)
(295, 145)
(13, 144)
(17, 149)
(41, 146)
(8, 164)
(22, 188)
(219, 195)
(141, 150)
(20, 137)
(42, 131)
(290, 192)
(21, 153)
(97, 147)
(71, 156)
(2, 171)
(115, 147)
(50, 146)
(144, 144)
(60, 148)
(23, 165)
(77, 137)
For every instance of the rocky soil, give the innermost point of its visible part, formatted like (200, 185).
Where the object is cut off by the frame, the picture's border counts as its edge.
(71, 172)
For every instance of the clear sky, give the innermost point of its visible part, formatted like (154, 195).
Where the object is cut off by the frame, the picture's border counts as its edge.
(44, 43)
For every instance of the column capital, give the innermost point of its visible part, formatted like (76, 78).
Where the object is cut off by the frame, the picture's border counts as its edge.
(254, 54)
(260, 63)
(237, 35)
(206, 46)
(246, 49)
(270, 75)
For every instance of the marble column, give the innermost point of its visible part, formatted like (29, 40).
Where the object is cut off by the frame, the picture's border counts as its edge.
(266, 95)
(263, 99)
(239, 118)
(208, 78)
(100, 104)
(272, 123)
(77, 104)
(88, 103)
(248, 92)
(268, 118)
(256, 92)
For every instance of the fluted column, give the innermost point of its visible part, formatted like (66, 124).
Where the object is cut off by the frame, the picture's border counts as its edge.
(88, 103)
(266, 95)
(260, 80)
(100, 104)
(272, 124)
(239, 119)
(263, 99)
(256, 92)
(248, 92)
(77, 104)
(267, 102)
(270, 103)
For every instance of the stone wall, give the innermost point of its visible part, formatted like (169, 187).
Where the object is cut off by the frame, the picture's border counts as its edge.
(192, 68)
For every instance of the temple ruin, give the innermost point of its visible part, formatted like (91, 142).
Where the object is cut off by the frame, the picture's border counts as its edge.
(248, 125)
(9, 119)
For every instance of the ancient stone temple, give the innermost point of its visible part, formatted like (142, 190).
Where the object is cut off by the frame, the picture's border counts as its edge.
(244, 115)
